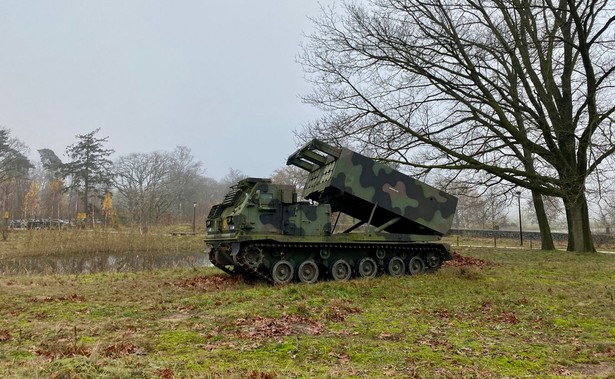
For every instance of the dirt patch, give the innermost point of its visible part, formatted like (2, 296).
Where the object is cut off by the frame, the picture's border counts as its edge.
(182, 313)
(588, 370)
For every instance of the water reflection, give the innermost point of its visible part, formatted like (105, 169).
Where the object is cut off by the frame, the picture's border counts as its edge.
(91, 263)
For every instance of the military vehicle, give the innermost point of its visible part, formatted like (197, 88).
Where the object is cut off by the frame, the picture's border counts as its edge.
(262, 230)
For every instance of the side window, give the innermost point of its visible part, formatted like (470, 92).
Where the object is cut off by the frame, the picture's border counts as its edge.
(266, 200)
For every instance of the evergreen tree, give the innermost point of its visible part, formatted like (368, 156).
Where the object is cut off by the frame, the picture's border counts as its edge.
(89, 168)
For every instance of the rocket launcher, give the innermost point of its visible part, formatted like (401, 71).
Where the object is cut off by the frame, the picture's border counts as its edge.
(372, 192)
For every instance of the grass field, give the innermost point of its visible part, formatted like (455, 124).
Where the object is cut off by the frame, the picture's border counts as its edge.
(495, 313)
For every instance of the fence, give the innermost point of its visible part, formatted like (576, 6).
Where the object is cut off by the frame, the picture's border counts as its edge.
(599, 239)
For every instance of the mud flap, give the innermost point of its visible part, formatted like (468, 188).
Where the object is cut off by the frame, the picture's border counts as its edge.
(222, 253)
(234, 250)
(446, 252)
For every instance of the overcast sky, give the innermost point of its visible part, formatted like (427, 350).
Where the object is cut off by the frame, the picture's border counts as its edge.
(218, 77)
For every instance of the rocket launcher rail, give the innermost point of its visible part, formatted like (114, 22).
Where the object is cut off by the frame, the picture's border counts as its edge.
(373, 192)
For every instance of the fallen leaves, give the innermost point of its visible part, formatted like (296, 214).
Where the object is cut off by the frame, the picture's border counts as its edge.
(341, 356)
(339, 313)
(255, 374)
(210, 282)
(486, 312)
(73, 298)
(436, 344)
(121, 349)
(390, 336)
(63, 348)
(255, 330)
(166, 373)
(267, 327)
(489, 313)
(461, 261)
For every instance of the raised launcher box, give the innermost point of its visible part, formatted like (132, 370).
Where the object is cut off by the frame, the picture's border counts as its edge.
(373, 192)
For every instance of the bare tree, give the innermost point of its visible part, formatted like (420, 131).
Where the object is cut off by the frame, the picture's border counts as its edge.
(479, 207)
(518, 89)
(210, 192)
(554, 210)
(14, 169)
(291, 175)
(602, 195)
(157, 184)
(183, 180)
(232, 177)
(506, 192)
(52, 184)
(142, 180)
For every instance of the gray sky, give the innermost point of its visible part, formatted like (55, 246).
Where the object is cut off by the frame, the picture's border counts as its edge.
(218, 77)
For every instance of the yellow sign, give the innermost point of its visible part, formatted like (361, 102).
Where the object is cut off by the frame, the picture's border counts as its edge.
(81, 216)
(6, 215)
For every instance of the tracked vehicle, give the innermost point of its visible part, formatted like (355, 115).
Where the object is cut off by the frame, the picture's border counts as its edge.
(262, 230)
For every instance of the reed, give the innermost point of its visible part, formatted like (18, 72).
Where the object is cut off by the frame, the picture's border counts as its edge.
(52, 242)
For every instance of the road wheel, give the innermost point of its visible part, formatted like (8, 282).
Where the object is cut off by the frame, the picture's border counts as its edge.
(396, 267)
(282, 272)
(367, 267)
(308, 271)
(340, 270)
(433, 261)
(416, 265)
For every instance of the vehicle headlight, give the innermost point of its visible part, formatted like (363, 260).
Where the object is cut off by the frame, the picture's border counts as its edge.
(230, 223)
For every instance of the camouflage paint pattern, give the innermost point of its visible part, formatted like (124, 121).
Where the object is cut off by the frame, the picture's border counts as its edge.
(257, 207)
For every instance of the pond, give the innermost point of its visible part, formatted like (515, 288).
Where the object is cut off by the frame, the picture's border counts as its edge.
(73, 264)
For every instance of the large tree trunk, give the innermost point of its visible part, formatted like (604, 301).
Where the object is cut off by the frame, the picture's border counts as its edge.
(579, 231)
(546, 239)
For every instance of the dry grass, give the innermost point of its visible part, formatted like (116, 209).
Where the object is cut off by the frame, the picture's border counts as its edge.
(84, 241)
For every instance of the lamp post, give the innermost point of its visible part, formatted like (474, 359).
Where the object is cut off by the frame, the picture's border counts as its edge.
(193, 216)
(520, 226)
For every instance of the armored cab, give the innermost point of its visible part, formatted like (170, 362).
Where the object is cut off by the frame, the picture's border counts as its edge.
(262, 230)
